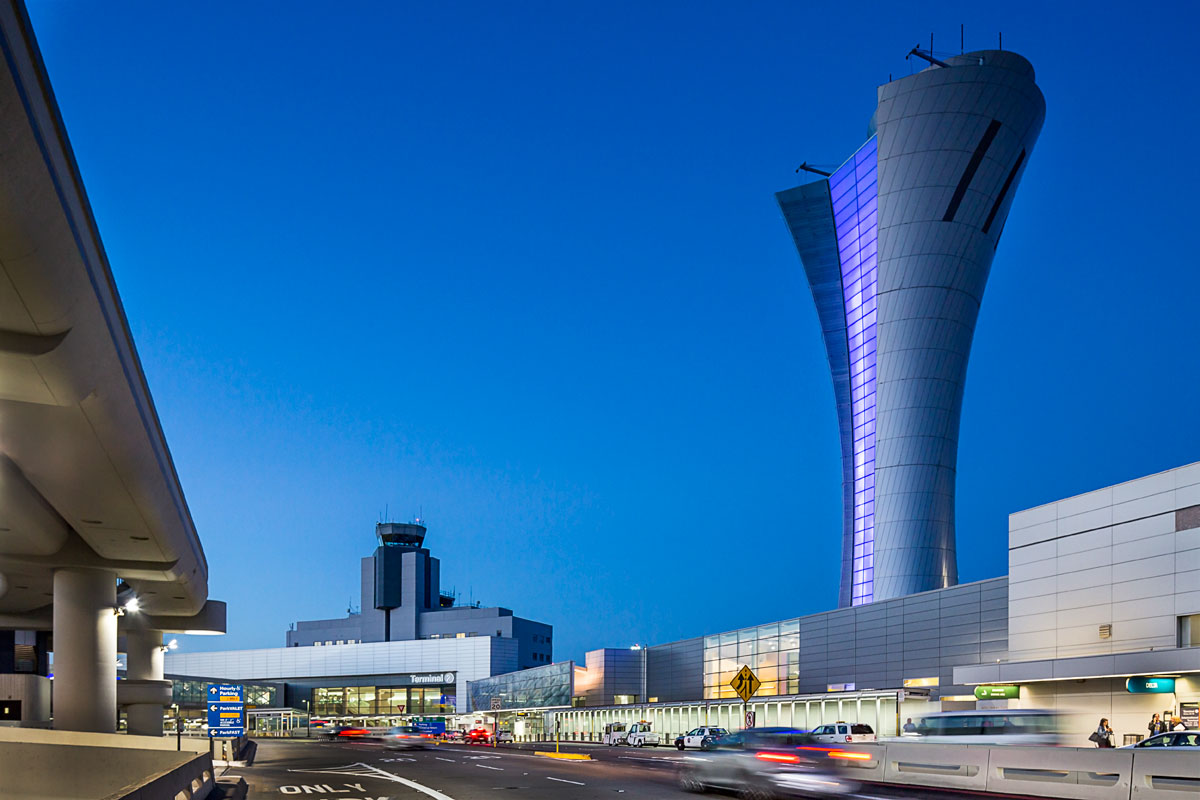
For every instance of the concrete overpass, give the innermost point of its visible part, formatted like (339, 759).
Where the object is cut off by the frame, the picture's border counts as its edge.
(92, 514)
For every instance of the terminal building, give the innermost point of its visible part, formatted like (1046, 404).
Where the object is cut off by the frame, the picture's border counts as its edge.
(1099, 614)
(409, 650)
(1101, 606)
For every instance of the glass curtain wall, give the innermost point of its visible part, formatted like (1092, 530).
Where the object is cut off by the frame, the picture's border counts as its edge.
(369, 701)
(195, 693)
(771, 651)
(537, 687)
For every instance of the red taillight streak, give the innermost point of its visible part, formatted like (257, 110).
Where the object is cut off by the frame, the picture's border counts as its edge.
(851, 755)
(781, 758)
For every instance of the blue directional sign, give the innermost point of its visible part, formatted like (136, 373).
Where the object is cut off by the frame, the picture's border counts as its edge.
(226, 710)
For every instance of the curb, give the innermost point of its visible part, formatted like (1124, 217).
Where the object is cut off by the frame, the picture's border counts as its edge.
(570, 756)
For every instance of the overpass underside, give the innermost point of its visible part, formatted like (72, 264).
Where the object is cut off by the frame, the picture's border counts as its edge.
(93, 520)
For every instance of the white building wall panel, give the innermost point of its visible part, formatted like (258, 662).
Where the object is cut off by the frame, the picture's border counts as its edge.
(1127, 556)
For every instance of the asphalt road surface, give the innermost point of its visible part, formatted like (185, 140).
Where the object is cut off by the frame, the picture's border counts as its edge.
(317, 770)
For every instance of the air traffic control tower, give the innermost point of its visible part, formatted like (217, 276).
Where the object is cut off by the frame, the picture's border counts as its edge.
(897, 244)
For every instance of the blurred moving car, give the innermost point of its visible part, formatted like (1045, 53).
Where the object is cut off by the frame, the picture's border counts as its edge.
(406, 737)
(479, 736)
(844, 733)
(344, 732)
(699, 737)
(767, 762)
(993, 726)
(1178, 740)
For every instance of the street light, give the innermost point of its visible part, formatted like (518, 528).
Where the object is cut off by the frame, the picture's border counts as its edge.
(307, 721)
(178, 727)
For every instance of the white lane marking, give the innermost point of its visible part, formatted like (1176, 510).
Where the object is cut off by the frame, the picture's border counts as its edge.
(451, 760)
(564, 780)
(485, 766)
(367, 771)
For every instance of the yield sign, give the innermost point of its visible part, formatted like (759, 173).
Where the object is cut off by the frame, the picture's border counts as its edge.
(745, 683)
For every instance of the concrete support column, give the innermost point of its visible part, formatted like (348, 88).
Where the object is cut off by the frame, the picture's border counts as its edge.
(144, 662)
(85, 650)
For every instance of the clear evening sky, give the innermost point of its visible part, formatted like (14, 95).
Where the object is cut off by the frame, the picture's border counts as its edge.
(519, 266)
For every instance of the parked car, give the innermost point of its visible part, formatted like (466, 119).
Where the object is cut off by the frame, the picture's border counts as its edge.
(700, 738)
(640, 735)
(504, 736)
(844, 733)
(767, 762)
(406, 737)
(1178, 740)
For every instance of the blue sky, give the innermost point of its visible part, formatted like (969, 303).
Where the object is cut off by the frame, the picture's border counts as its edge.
(518, 267)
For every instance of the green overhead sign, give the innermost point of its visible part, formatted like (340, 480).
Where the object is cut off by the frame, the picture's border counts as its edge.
(1150, 685)
(997, 692)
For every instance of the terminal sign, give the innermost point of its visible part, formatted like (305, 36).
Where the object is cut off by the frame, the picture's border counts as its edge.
(997, 692)
(226, 710)
(1150, 685)
(745, 683)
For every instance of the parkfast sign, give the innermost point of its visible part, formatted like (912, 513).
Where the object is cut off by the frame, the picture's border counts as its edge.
(997, 692)
(225, 709)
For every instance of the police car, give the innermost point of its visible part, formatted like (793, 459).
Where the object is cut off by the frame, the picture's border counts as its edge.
(700, 738)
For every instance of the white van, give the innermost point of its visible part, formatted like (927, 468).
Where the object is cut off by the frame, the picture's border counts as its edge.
(614, 733)
(640, 735)
(1021, 726)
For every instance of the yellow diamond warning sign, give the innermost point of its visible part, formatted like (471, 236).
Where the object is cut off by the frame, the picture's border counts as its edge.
(745, 683)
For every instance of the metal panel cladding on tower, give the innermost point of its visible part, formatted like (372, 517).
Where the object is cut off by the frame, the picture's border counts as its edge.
(897, 245)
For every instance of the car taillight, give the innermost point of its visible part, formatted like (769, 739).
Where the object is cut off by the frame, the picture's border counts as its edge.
(849, 738)
(851, 755)
(778, 758)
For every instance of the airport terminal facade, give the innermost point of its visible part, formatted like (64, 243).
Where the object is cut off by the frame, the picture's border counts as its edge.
(1041, 636)
(408, 650)
(896, 244)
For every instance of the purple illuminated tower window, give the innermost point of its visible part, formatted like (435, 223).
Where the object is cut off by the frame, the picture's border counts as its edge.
(854, 192)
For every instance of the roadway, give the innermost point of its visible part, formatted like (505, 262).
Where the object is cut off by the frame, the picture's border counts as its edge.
(317, 770)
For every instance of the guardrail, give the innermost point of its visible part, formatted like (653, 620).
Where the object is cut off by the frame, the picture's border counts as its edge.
(1058, 772)
(192, 780)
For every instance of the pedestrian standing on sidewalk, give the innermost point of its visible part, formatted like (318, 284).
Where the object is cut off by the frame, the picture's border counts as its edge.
(1103, 735)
